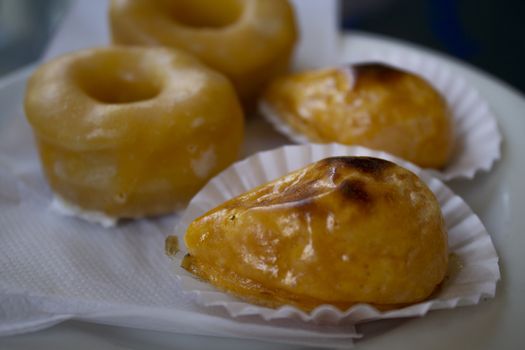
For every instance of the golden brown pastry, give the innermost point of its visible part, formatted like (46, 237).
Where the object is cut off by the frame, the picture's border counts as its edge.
(341, 231)
(372, 105)
(130, 132)
(250, 41)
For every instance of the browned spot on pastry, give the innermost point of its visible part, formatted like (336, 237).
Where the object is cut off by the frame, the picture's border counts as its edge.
(355, 190)
(368, 165)
(378, 72)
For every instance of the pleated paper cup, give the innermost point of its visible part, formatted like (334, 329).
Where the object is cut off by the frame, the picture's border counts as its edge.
(477, 139)
(469, 242)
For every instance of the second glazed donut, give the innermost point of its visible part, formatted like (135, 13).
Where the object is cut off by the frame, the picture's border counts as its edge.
(250, 41)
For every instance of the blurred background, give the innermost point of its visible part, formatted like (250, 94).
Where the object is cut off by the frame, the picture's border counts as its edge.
(489, 34)
(25, 29)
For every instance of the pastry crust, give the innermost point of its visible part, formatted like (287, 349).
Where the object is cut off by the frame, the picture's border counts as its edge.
(372, 105)
(341, 231)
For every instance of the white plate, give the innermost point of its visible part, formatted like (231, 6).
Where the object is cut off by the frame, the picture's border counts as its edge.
(497, 197)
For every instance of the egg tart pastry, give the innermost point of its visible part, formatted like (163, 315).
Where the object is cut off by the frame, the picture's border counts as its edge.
(340, 231)
(371, 105)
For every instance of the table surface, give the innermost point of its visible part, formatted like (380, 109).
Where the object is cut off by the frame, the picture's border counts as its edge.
(497, 197)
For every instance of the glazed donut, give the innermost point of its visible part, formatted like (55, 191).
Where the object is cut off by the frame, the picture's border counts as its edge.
(250, 41)
(131, 132)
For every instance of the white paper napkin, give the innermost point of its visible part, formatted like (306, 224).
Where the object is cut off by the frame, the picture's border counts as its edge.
(54, 268)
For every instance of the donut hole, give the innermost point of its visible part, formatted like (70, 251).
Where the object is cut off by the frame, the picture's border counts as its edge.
(203, 13)
(113, 78)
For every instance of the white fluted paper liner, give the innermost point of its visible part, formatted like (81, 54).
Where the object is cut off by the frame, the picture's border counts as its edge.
(477, 138)
(468, 239)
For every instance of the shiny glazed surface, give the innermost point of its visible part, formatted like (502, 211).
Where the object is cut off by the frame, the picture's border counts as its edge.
(132, 131)
(370, 105)
(250, 41)
(341, 231)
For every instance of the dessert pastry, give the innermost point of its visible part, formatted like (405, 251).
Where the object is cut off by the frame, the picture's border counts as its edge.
(340, 231)
(130, 132)
(250, 41)
(372, 105)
